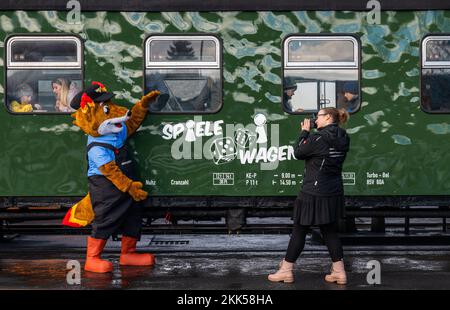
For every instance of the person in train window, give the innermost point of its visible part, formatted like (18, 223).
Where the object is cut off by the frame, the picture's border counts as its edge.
(64, 91)
(202, 101)
(351, 95)
(435, 93)
(24, 93)
(321, 198)
(290, 87)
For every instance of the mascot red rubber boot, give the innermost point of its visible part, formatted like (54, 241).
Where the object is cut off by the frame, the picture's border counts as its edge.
(114, 196)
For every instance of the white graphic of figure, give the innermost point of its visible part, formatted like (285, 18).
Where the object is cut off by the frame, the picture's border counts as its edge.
(260, 121)
(190, 134)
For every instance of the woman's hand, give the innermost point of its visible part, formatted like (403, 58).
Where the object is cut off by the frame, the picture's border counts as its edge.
(58, 106)
(306, 124)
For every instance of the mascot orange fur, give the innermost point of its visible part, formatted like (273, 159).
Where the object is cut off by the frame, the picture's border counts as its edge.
(112, 204)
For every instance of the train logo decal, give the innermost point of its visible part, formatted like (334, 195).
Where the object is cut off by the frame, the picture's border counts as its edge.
(228, 142)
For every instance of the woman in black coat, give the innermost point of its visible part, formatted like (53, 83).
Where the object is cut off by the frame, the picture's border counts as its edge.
(322, 194)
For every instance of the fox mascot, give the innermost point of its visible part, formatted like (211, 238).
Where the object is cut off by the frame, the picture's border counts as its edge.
(113, 201)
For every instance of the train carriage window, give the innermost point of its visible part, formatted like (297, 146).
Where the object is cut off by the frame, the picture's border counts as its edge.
(320, 72)
(43, 73)
(187, 72)
(435, 91)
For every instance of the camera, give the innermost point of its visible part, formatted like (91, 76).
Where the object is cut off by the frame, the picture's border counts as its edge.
(313, 121)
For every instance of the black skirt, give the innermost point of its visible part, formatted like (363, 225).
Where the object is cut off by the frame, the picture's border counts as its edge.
(317, 210)
(110, 206)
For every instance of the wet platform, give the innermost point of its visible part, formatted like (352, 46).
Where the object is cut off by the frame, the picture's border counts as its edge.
(222, 262)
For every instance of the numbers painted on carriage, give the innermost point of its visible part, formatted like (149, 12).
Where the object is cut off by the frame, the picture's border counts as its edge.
(286, 179)
(251, 179)
(251, 182)
(377, 178)
(223, 178)
(73, 276)
(349, 178)
(288, 182)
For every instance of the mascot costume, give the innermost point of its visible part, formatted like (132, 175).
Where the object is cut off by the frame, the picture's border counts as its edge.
(113, 202)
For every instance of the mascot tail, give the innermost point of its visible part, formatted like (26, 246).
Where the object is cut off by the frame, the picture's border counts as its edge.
(81, 214)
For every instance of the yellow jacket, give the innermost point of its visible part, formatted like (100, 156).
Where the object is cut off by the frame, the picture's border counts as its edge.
(21, 107)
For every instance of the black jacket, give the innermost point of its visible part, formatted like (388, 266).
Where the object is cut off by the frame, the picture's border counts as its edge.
(324, 153)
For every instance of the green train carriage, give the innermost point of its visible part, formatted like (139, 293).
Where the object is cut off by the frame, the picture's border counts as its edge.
(220, 136)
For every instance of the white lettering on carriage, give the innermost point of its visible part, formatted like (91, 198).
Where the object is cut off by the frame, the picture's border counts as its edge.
(227, 142)
(179, 182)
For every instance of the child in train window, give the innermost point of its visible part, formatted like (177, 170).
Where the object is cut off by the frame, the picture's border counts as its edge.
(64, 91)
(24, 94)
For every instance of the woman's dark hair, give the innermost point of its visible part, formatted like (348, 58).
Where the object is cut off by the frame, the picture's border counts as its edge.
(339, 116)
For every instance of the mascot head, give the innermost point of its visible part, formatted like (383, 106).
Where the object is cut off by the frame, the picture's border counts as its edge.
(96, 114)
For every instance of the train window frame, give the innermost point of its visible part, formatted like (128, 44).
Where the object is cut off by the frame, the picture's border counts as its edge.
(322, 65)
(185, 65)
(430, 64)
(39, 65)
(11, 65)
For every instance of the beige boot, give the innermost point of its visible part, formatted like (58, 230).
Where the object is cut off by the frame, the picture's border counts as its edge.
(284, 274)
(337, 273)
